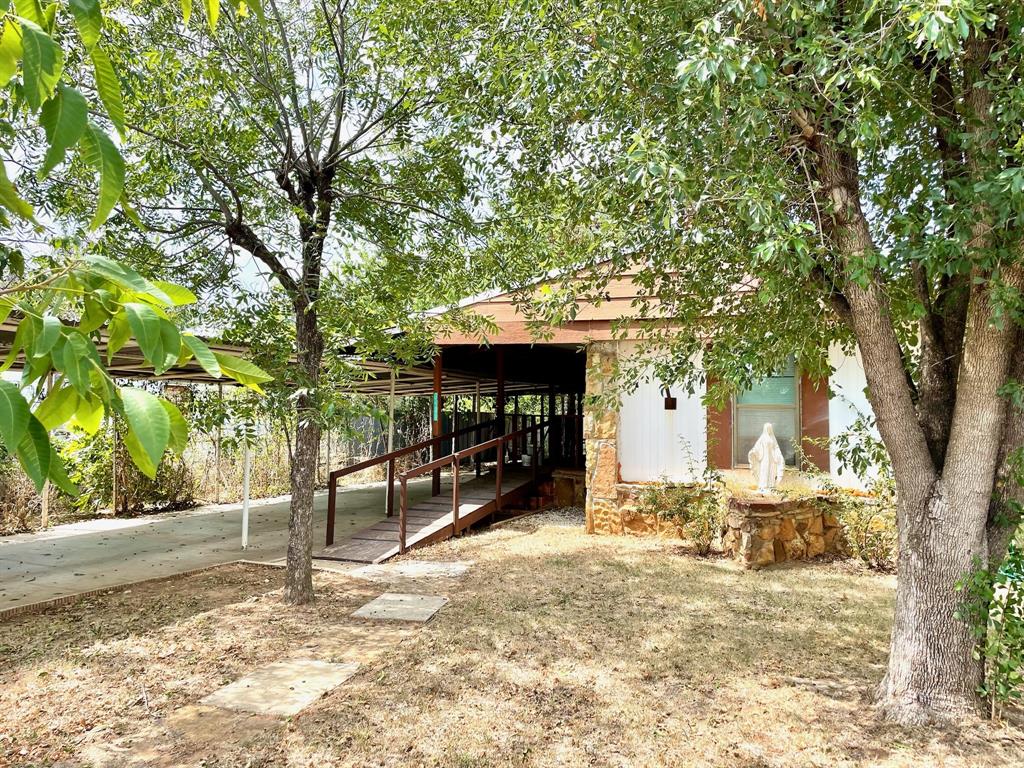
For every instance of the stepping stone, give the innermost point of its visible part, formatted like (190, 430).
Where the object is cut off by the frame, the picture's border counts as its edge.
(399, 607)
(411, 569)
(283, 688)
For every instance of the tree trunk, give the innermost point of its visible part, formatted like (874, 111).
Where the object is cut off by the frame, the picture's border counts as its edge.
(932, 674)
(309, 349)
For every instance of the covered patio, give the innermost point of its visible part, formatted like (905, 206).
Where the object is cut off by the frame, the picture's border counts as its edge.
(496, 456)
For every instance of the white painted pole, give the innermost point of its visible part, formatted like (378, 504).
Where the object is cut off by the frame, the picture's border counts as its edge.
(247, 463)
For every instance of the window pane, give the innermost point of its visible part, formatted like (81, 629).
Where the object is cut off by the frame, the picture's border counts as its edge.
(750, 420)
(776, 390)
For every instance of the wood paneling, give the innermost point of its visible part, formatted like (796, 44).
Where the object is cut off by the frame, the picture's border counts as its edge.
(814, 420)
(720, 435)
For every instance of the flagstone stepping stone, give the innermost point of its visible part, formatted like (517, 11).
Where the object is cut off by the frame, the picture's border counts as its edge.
(411, 569)
(396, 606)
(283, 688)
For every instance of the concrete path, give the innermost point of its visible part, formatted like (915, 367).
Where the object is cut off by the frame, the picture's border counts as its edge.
(105, 553)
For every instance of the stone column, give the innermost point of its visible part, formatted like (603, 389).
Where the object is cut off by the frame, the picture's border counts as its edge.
(600, 435)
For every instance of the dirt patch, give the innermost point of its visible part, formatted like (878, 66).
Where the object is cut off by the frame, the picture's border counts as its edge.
(557, 649)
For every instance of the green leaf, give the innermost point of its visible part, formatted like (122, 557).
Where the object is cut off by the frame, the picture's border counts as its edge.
(99, 151)
(145, 326)
(58, 406)
(212, 8)
(179, 427)
(242, 371)
(58, 474)
(118, 333)
(34, 453)
(10, 51)
(186, 11)
(138, 453)
(14, 415)
(42, 64)
(149, 426)
(89, 20)
(170, 342)
(178, 294)
(125, 278)
(11, 200)
(47, 337)
(77, 361)
(89, 415)
(31, 10)
(203, 355)
(109, 87)
(63, 118)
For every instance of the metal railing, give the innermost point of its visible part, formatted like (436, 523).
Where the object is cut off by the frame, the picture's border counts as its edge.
(517, 438)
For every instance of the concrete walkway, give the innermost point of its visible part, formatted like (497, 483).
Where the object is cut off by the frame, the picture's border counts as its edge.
(79, 557)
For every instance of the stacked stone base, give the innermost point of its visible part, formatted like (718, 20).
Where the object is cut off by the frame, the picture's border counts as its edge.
(762, 532)
(622, 514)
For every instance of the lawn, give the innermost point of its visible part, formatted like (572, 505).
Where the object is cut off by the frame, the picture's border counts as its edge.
(557, 648)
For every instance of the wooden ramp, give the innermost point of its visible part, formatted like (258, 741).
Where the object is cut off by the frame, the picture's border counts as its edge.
(431, 519)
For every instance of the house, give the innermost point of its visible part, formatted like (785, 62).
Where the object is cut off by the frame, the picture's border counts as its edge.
(653, 434)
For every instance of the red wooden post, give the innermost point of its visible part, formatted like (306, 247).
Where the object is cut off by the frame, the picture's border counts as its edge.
(499, 400)
(455, 496)
(403, 509)
(435, 423)
(497, 491)
(332, 501)
(391, 488)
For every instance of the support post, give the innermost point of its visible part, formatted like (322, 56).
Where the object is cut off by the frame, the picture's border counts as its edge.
(478, 456)
(403, 509)
(499, 399)
(517, 424)
(435, 424)
(332, 502)
(455, 496)
(113, 465)
(246, 468)
(389, 496)
(553, 440)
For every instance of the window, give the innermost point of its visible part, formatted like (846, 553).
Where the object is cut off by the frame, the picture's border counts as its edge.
(774, 401)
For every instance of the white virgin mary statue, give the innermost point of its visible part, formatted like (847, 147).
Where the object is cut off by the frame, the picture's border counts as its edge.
(766, 460)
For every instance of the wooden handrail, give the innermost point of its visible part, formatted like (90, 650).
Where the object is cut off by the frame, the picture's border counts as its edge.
(399, 452)
(454, 460)
(389, 458)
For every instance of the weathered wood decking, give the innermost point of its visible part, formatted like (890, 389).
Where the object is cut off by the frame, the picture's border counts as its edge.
(430, 520)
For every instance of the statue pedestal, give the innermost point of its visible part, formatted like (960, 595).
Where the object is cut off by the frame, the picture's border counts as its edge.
(766, 531)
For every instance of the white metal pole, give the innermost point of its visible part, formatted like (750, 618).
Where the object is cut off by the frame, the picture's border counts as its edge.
(247, 462)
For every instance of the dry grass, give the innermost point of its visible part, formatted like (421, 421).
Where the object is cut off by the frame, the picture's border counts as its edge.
(558, 649)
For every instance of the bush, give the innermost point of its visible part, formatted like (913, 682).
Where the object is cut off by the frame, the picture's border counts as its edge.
(697, 509)
(89, 461)
(869, 523)
(19, 502)
(993, 608)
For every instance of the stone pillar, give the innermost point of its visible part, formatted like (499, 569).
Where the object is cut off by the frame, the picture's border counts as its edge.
(600, 435)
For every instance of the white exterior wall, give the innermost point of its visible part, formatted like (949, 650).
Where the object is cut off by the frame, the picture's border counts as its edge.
(655, 444)
(848, 401)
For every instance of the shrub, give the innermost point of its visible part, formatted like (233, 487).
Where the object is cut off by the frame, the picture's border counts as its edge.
(697, 509)
(993, 608)
(869, 522)
(89, 461)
